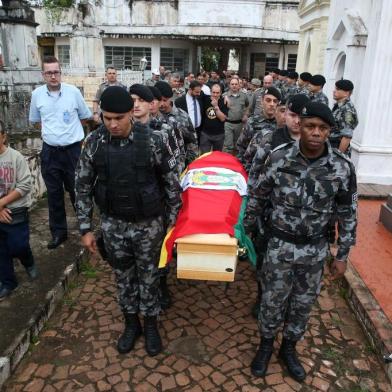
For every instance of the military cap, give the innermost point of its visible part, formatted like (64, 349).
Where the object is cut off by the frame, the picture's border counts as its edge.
(256, 82)
(305, 76)
(155, 92)
(318, 109)
(272, 91)
(115, 99)
(283, 72)
(292, 75)
(142, 92)
(155, 72)
(317, 80)
(296, 103)
(345, 85)
(164, 88)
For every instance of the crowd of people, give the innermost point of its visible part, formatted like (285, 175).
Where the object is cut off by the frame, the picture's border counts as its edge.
(295, 149)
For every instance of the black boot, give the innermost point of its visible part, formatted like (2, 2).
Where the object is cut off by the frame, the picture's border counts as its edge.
(165, 299)
(288, 354)
(256, 306)
(151, 334)
(133, 329)
(260, 362)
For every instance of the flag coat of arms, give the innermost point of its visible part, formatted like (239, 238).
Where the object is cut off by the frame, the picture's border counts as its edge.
(213, 201)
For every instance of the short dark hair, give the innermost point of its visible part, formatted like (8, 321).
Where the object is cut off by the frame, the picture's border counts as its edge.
(2, 128)
(110, 67)
(194, 84)
(49, 60)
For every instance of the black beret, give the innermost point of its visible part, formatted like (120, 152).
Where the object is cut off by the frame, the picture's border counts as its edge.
(292, 75)
(142, 92)
(273, 91)
(276, 70)
(164, 88)
(305, 76)
(296, 103)
(317, 80)
(115, 99)
(283, 72)
(345, 85)
(320, 110)
(155, 92)
(282, 102)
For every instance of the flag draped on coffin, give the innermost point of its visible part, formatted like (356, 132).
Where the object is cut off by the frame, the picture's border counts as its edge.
(214, 190)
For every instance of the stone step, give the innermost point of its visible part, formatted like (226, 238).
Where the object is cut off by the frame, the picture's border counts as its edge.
(386, 214)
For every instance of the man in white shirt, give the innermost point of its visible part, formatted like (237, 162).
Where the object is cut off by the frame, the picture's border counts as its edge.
(58, 108)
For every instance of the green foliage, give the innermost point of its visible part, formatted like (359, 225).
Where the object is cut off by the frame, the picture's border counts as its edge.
(54, 8)
(209, 59)
(88, 270)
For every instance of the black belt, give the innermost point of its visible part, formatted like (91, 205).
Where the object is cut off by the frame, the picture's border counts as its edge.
(63, 148)
(297, 239)
(234, 121)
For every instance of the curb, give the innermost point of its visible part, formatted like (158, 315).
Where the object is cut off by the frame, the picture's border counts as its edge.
(375, 324)
(18, 348)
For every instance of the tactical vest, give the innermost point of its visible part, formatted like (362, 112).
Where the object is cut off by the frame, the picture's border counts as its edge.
(127, 186)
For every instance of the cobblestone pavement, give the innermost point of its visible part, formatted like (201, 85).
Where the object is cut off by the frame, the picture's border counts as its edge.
(209, 339)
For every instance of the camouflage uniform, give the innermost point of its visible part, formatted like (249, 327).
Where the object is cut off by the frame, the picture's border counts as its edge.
(301, 195)
(159, 123)
(255, 124)
(255, 102)
(346, 119)
(319, 97)
(303, 90)
(186, 134)
(269, 142)
(132, 246)
(291, 89)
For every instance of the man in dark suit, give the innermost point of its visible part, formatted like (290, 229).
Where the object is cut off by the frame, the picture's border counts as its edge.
(191, 103)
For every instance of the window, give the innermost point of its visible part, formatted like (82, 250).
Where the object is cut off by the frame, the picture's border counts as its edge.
(292, 62)
(124, 57)
(63, 55)
(175, 60)
(257, 65)
(271, 61)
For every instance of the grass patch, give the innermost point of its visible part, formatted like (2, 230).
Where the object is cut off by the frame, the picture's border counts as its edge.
(87, 270)
(340, 363)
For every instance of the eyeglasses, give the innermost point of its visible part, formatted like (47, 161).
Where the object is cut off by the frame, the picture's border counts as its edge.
(52, 73)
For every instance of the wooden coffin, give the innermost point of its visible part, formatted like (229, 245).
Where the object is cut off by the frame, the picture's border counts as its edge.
(207, 257)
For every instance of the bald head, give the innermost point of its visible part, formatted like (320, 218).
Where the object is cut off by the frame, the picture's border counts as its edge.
(267, 81)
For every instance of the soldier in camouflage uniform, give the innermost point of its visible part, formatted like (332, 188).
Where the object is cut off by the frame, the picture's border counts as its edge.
(182, 124)
(301, 183)
(316, 85)
(128, 171)
(261, 124)
(345, 115)
(287, 134)
(158, 122)
(291, 87)
(303, 83)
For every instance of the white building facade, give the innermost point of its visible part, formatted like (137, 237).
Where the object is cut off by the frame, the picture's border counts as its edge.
(92, 35)
(359, 49)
